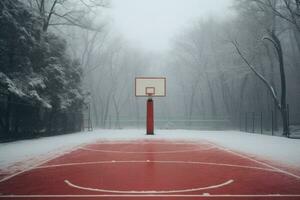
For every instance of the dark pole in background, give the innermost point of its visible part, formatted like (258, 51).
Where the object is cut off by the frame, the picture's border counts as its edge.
(253, 122)
(261, 123)
(240, 121)
(246, 122)
(288, 117)
(90, 128)
(272, 122)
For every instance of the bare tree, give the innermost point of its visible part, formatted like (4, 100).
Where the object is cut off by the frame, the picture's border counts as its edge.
(67, 12)
(280, 103)
(287, 10)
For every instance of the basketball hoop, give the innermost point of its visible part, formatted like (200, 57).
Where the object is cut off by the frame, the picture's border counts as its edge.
(150, 91)
(150, 87)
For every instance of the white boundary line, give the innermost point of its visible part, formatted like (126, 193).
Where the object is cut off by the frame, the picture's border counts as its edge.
(259, 162)
(155, 195)
(149, 191)
(146, 152)
(164, 162)
(150, 142)
(39, 163)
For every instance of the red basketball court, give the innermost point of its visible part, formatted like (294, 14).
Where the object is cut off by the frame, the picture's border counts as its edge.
(152, 169)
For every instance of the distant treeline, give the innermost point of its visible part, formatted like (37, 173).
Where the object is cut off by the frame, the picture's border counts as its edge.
(40, 85)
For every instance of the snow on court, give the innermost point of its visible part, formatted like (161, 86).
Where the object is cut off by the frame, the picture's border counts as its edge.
(20, 155)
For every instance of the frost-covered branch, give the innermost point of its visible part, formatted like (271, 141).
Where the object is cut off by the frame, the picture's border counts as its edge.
(61, 12)
(260, 76)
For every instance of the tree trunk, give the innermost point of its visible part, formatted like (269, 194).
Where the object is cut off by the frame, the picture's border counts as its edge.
(297, 38)
(242, 91)
(212, 98)
(192, 103)
(137, 110)
(117, 123)
(283, 110)
(105, 114)
(7, 117)
(272, 82)
(284, 115)
(225, 93)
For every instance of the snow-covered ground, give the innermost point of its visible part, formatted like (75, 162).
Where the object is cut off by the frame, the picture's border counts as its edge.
(20, 155)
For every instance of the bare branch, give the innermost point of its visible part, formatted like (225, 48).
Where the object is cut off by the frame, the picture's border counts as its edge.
(261, 77)
(74, 22)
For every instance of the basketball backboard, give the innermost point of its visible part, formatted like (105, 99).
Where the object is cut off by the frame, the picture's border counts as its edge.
(150, 86)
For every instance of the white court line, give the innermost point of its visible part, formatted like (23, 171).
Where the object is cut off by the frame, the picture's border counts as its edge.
(145, 143)
(259, 162)
(149, 191)
(146, 152)
(156, 161)
(155, 196)
(40, 163)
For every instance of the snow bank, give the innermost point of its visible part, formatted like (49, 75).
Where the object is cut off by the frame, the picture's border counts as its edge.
(16, 156)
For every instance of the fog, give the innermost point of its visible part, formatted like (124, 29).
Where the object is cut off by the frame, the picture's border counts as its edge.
(153, 24)
(229, 64)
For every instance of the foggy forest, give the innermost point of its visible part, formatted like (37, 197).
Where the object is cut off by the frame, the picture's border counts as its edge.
(65, 66)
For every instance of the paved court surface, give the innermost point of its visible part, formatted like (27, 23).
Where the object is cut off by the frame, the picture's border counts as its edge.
(152, 169)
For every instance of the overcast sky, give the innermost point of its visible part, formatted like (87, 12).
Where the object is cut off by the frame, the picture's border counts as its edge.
(151, 24)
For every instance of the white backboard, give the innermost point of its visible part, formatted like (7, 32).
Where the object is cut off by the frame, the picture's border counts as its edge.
(150, 86)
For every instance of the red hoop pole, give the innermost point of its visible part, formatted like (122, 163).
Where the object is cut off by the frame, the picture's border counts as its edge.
(150, 119)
